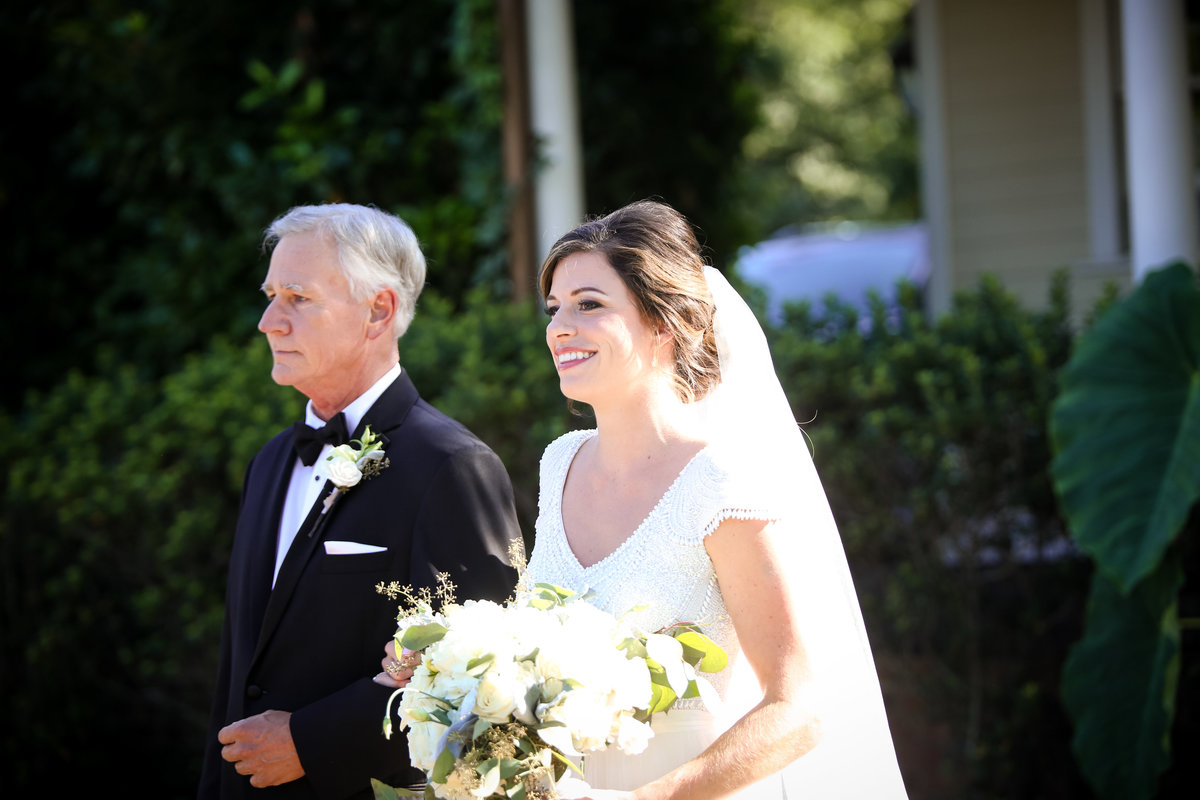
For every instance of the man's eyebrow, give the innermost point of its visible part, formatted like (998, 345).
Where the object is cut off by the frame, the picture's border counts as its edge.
(291, 287)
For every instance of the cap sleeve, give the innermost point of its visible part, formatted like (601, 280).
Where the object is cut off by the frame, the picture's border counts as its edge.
(721, 487)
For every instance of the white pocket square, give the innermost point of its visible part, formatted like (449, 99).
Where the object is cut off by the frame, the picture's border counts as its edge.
(334, 548)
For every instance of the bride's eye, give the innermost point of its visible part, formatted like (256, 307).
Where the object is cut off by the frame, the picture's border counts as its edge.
(588, 305)
(551, 310)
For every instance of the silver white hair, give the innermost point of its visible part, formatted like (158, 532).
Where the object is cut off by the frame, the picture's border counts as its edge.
(376, 250)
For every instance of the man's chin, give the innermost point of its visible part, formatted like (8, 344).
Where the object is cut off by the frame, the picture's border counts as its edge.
(282, 375)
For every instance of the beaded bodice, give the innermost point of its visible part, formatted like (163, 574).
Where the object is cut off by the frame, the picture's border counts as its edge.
(663, 565)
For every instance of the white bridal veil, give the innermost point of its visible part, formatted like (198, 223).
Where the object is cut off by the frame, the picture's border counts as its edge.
(749, 414)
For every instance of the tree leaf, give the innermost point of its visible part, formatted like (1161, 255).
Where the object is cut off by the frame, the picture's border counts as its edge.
(1126, 427)
(1119, 683)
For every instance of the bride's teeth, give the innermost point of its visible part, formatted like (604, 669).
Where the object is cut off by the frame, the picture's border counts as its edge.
(576, 355)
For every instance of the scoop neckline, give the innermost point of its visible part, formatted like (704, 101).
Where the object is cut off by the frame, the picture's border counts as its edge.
(585, 436)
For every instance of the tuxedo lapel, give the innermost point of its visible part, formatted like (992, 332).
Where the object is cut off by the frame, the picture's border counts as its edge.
(387, 413)
(292, 568)
(262, 546)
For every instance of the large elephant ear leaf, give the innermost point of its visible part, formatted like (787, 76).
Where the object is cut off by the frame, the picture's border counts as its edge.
(1126, 427)
(1119, 683)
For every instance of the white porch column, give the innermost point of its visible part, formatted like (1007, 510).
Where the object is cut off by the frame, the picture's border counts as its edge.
(935, 184)
(1159, 159)
(554, 111)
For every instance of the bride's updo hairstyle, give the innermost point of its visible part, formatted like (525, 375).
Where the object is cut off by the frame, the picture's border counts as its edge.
(654, 251)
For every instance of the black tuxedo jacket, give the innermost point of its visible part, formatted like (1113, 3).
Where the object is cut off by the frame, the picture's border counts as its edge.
(311, 645)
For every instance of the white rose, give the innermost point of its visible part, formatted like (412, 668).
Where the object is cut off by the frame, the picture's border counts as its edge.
(477, 629)
(586, 718)
(494, 697)
(423, 741)
(343, 473)
(453, 686)
(632, 736)
(631, 683)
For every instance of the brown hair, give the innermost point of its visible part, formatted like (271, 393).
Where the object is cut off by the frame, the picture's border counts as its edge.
(654, 251)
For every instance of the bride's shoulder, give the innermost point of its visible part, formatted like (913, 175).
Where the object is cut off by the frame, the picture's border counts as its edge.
(729, 477)
(565, 446)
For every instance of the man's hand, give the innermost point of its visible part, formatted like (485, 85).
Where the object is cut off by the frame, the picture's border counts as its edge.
(261, 747)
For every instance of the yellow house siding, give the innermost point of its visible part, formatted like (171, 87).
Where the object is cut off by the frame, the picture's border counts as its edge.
(1014, 155)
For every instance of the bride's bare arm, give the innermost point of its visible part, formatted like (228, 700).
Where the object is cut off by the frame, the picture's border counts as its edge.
(767, 616)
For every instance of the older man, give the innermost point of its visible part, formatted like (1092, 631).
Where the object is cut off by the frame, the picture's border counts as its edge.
(295, 707)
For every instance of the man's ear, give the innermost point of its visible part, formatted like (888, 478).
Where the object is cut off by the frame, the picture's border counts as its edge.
(383, 312)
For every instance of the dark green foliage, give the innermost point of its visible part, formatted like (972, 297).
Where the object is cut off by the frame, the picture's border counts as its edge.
(119, 501)
(668, 91)
(1127, 437)
(156, 140)
(930, 438)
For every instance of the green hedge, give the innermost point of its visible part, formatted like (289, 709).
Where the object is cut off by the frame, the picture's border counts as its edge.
(120, 498)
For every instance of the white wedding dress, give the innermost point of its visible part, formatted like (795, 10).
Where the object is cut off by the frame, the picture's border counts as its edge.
(664, 566)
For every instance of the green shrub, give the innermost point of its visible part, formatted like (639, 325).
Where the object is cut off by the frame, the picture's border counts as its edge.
(931, 440)
(120, 499)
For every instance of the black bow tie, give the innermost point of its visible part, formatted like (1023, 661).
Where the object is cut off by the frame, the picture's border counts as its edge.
(309, 441)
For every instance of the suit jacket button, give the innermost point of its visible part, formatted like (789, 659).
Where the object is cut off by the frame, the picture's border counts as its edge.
(253, 692)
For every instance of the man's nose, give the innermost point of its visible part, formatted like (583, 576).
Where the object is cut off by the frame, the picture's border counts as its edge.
(272, 321)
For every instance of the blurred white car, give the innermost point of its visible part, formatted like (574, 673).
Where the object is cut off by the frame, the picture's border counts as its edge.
(847, 260)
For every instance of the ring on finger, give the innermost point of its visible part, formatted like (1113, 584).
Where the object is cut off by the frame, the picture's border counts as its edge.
(394, 668)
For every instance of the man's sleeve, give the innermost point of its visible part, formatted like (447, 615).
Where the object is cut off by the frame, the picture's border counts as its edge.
(466, 527)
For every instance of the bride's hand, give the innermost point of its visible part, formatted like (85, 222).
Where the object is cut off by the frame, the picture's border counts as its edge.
(397, 670)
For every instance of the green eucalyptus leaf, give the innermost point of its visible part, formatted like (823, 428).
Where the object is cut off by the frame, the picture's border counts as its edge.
(418, 637)
(708, 655)
(481, 726)
(1126, 427)
(634, 648)
(489, 777)
(662, 696)
(1119, 683)
(382, 791)
(478, 665)
(442, 767)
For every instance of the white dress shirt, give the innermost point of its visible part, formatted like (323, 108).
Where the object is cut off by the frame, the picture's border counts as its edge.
(307, 482)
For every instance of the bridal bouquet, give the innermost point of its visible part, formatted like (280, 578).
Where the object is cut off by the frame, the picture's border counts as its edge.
(505, 693)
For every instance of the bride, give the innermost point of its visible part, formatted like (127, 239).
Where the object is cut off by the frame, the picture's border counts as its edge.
(695, 497)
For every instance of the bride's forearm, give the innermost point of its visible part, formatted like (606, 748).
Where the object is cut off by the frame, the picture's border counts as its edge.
(763, 742)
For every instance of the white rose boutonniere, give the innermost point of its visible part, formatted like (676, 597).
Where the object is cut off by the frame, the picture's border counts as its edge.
(352, 463)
